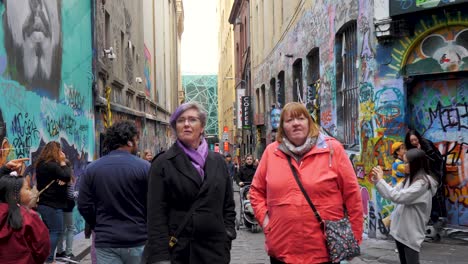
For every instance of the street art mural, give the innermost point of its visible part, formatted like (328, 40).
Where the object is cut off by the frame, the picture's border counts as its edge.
(439, 109)
(154, 135)
(436, 46)
(147, 72)
(45, 81)
(445, 50)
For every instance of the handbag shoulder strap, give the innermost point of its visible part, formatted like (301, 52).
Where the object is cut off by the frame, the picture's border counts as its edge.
(184, 222)
(316, 213)
(47, 186)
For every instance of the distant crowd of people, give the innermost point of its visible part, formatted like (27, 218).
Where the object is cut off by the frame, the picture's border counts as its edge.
(178, 206)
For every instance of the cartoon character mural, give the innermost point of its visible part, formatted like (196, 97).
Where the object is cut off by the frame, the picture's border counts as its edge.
(45, 80)
(445, 50)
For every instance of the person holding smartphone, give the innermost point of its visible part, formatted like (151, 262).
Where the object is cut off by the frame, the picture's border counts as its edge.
(413, 197)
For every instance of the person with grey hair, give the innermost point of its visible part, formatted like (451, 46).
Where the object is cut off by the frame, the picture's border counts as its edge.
(191, 210)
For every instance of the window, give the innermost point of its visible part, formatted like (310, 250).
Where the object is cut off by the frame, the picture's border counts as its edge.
(257, 97)
(141, 104)
(263, 99)
(313, 84)
(298, 90)
(107, 33)
(347, 84)
(116, 95)
(273, 91)
(281, 96)
(121, 58)
(129, 100)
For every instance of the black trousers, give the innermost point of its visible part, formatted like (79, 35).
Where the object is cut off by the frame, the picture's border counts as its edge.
(406, 254)
(275, 261)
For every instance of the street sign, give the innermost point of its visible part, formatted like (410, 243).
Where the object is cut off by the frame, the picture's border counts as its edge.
(225, 136)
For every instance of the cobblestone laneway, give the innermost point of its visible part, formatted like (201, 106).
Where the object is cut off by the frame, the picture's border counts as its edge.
(248, 248)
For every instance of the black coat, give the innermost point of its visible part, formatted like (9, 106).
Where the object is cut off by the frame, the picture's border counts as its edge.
(173, 187)
(246, 173)
(56, 195)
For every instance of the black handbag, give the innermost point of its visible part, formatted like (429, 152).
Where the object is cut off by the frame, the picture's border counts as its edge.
(340, 240)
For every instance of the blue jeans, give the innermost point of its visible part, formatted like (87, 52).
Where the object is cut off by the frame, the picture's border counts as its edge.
(67, 235)
(119, 255)
(53, 219)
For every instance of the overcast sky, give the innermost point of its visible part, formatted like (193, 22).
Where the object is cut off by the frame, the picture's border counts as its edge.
(200, 40)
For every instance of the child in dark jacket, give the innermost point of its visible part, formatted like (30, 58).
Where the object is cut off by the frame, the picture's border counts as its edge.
(24, 238)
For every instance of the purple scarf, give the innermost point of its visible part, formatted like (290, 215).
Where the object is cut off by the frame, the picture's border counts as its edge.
(198, 156)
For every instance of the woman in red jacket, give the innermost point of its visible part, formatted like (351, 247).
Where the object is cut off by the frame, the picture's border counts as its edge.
(24, 238)
(292, 232)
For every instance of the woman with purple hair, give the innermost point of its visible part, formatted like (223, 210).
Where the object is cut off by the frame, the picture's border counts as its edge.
(191, 209)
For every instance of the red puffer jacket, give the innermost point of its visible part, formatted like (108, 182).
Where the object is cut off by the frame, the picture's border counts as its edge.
(28, 245)
(293, 234)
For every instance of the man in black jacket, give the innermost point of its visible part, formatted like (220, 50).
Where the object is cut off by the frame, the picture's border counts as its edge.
(112, 197)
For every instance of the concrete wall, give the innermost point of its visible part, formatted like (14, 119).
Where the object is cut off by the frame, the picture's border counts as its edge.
(46, 92)
(414, 79)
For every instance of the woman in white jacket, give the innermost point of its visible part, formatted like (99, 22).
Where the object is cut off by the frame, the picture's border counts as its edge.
(413, 197)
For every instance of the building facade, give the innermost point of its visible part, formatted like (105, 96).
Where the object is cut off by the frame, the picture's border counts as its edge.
(227, 130)
(240, 21)
(163, 28)
(368, 71)
(138, 67)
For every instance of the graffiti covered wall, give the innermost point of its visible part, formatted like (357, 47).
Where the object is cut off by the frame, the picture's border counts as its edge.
(154, 135)
(46, 80)
(391, 99)
(440, 110)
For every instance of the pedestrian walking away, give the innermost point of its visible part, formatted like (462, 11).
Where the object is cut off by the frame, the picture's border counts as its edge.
(53, 174)
(292, 232)
(112, 197)
(413, 197)
(191, 210)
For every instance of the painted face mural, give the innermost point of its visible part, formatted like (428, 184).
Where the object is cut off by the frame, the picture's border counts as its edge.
(275, 118)
(33, 44)
(46, 81)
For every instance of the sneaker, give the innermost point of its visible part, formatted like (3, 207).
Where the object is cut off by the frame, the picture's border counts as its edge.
(60, 255)
(70, 256)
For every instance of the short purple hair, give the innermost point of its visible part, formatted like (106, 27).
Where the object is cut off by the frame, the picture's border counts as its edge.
(184, 107)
